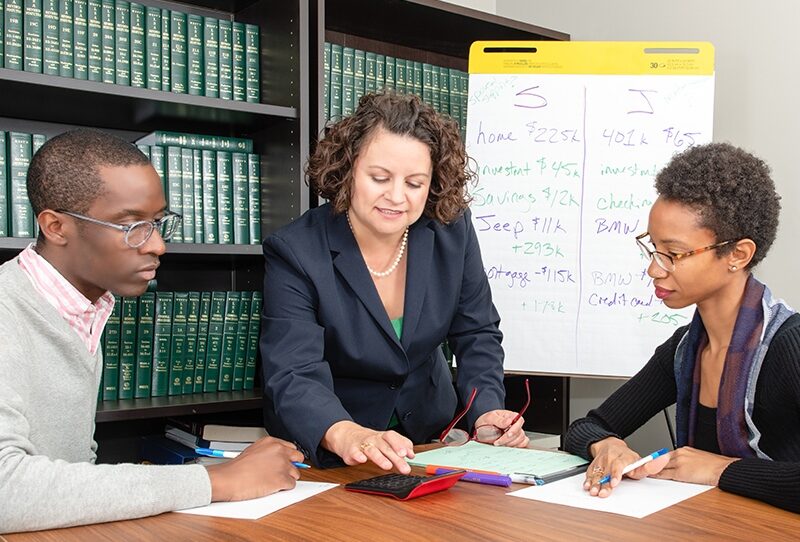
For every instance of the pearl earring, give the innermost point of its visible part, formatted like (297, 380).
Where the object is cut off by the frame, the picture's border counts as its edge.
(733, 268)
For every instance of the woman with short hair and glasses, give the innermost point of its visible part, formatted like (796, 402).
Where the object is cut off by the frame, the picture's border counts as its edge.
(734, 371)
(360, 293)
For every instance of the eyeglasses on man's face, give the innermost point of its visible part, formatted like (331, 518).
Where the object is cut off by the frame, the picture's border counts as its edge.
(486, 434)
(667, 261)
(137, 233)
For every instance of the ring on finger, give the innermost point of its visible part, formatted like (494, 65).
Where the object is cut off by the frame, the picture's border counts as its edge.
(597, 469)
(364, 446)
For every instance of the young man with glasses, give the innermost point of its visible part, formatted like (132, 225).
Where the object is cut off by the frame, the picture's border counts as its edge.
(103, 221)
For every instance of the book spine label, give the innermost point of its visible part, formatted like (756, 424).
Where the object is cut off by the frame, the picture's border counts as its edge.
(253, 63)
(239, 65)
(202, 342)
(241, 217)
(229, 331)
(194, 55)
(192, 320)
(175, 186)
(111, 352)
(177, 354)
(127, 352)
(254, 196)
(80, 37)
(165, 50)
(20, 151)
(211, 56)
(153, 47)
(252, 341)
(94, 40)
(187, 194)
(242, 328)
(138, 55)
(224, 198)
(32, 34)
(66, 52)
(210, 211)
(161, 343)
(178, 56)
(109, 44)
(14, 32)
(225, 59)
(216, 321)
(144, 341)
(197, 175)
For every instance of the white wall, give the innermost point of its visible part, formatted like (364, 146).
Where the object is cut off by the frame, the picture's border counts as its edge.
(757, 82)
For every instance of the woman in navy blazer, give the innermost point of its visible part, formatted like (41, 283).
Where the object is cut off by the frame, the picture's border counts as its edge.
(360, 293)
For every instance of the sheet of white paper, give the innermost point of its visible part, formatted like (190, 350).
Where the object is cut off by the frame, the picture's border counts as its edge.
(256, 508)
(635, 498)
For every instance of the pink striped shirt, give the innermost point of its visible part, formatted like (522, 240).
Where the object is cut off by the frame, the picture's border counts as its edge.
(86, 318)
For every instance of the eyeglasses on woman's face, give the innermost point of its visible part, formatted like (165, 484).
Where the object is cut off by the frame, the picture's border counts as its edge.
(667, 261)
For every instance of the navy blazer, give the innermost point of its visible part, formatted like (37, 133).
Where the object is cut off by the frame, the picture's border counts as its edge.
(328, 348)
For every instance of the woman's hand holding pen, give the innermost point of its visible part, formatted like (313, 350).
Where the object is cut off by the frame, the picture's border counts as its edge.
(356, 444)
(611, 456)
(689, 464)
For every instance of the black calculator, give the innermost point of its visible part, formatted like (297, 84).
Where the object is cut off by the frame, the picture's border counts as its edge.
(405, 486)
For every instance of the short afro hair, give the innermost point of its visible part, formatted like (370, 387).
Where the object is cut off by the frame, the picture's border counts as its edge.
(65, 172)
(730, 189)
(329, 171)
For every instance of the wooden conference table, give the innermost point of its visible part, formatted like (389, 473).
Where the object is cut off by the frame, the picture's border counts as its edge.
(467, 511)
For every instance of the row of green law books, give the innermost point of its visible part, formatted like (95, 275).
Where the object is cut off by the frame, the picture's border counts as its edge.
(177, 343)
(131, 44)
(16, 213)
(350, 73)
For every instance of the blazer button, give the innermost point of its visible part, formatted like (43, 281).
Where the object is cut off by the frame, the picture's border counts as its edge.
(407, 415)
(394, 385)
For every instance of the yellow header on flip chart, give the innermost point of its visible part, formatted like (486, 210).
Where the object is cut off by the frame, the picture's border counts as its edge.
(593, 57)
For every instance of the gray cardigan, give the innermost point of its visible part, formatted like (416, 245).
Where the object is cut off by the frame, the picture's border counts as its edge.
(48, 394)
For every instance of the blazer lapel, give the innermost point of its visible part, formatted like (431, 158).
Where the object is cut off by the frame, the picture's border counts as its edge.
(348, 261)
(420, 257)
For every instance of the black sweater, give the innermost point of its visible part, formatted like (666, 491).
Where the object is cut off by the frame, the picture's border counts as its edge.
(776, 414)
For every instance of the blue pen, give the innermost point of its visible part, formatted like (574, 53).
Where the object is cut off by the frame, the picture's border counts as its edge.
(635, 465)
(210, 452)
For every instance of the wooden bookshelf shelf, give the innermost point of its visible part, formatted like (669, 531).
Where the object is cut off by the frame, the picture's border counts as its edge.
(199, 249)
(177, 405)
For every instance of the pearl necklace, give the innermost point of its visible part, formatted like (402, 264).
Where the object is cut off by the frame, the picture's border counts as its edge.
(395, 263)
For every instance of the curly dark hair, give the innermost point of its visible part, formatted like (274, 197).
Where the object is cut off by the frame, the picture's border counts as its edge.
(329, 171)
(730, 189)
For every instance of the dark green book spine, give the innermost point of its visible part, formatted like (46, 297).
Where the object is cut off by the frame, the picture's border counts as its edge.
(37, 140)
(225, 59)
(178, 56)
(175, 186)
(371, 74)
(252, 341)
(177, 352)
(252, 54)
(20, 150)
(50, 44)
(194, 55)
(109, 43)
(239, 64)
(337, 53)
(436, 93)
(241, 217)
(66, 52)
(197, 175)
(359, 74)
(216, 321)
(95, 39)
(326, 88)
(243, 326)
(348, 81)
(80, 35)
(153, 47)
(455, 90)
(224, 198)
(14, 32)
(111, 352)
(400, 75)
(187, 192)
(2, 33)
(192, 320)
(127, 351)
(162, 338)
(444, 89)
(380, 72)
(211, 56)
(32, 34)
(4, 230)
(389, 72)
(202, 342)
(427, 83)
(138, 55)
(157, 159)
(144, 340)
(165, 50)
(254, 189)
(197, 141)
(418, 78)
(229, 331)
(210, 211)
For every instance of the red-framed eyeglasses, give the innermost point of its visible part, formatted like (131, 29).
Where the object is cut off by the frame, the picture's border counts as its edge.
(486, 434)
